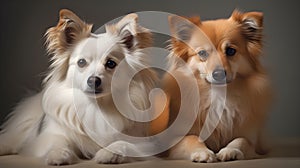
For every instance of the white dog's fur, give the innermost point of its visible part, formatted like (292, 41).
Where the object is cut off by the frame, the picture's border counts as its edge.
(54, 124)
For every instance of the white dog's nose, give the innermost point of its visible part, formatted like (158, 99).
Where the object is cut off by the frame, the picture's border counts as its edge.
(94, 82)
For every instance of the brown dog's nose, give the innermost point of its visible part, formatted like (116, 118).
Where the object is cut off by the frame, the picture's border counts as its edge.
(94, 82)
(219, 75)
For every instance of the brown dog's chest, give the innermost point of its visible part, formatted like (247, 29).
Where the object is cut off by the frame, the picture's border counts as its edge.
(229, 123)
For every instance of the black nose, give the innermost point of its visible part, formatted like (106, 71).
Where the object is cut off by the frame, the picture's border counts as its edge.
(94, 82)
(219, 75)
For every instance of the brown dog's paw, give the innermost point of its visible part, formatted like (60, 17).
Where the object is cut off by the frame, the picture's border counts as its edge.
(203, 155)
(227, 154)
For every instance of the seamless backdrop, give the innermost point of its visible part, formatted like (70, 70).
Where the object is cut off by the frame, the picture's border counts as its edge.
(23, 56)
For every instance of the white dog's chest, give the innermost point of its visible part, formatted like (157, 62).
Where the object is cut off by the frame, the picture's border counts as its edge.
(107, 125)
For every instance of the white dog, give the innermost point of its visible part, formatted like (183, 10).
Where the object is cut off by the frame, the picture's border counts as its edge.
(74, 116)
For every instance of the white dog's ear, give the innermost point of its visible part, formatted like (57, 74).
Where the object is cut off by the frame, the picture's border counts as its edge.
(132, 35)
(181, 28)
(128, 29)
(69, 30)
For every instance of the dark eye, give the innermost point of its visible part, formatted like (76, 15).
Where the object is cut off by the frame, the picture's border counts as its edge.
(230, 51)
(203, 54)
(81, 63)
(110, 64)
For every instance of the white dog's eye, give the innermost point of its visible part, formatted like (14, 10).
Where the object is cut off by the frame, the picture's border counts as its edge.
(81, 63)
(110, 64)
(203, 54)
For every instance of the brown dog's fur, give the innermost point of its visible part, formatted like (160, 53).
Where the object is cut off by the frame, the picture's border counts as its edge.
(237, 135)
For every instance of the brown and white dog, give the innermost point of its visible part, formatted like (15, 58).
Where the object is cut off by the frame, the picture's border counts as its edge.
(220, 52)
(74, 116)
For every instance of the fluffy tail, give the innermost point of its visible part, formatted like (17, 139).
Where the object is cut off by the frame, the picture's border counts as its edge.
(23, 124)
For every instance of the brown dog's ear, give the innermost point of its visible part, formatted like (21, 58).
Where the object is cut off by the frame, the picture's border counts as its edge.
(181, 31)
(69, 30)
(252, 28)
(181, 28)
(252, 24)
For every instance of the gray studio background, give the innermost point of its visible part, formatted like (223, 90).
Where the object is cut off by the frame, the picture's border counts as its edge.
(23, 57)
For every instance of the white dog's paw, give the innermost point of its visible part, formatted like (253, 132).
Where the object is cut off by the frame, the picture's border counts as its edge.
(227, 154)
(59, 157)
(105, 156)
(203, 155)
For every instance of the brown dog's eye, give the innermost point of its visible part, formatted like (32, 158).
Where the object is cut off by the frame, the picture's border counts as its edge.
(81, 63)
(230, 51)
(203, 54)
